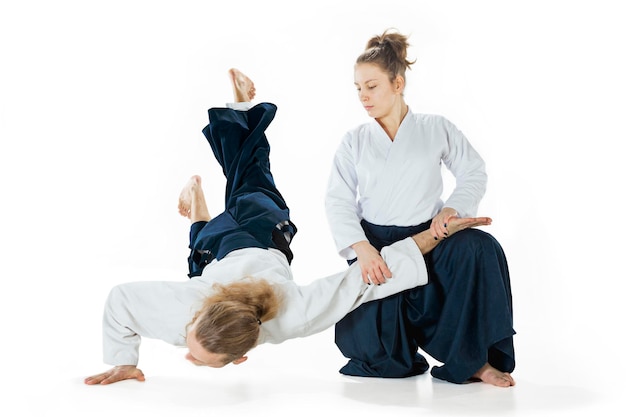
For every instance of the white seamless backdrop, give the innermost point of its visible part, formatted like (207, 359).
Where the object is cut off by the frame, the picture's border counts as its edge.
(101, 110)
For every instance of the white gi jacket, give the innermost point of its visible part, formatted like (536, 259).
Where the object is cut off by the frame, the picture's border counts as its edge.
(162, 310)
(399, 182)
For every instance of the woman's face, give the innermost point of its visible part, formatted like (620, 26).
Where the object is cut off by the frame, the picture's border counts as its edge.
(377, 94)
(199, 356)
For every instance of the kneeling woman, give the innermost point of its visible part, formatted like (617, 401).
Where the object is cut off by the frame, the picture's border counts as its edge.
(385, 185)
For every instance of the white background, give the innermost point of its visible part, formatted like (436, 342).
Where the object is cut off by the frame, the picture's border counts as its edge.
(101, 110)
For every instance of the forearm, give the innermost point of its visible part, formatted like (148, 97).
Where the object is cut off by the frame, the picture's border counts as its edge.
(120, 343)
(425, 241)
(118, 348)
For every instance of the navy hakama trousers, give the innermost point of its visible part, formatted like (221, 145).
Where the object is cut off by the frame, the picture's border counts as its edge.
(463, 317)
(255, 213)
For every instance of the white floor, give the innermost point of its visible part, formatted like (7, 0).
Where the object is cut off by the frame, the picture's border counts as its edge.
(101, 110)
(298, 377)
(57, 345)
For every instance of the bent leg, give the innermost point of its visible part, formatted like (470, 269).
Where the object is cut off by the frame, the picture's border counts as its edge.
(377, 336)
(464, 316)
(239, 144)
(256, 214)
(376, 339)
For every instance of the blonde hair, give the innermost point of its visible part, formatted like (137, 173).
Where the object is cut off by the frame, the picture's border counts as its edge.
(229, 320)
(389, 52)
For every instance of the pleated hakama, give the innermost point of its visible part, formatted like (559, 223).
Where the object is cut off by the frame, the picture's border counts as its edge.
(463, 317)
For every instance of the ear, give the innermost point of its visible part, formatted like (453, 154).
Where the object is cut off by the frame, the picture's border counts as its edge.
(398, 84)
(240, 360)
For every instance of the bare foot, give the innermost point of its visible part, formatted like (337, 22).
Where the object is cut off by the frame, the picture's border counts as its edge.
(491, 375)
(243, 87)
(184, 200)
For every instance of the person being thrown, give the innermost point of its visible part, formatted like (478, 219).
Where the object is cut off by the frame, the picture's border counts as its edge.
(240, 292)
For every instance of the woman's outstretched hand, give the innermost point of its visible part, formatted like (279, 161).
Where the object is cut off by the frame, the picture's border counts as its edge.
(118, 373)
(456, 224)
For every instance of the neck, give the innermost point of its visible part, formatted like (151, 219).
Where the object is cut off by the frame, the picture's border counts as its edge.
(391, 122)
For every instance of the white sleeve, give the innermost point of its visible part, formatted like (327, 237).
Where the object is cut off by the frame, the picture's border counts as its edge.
(408, 269)
(120, 340)
(469, 170)
(341, 201)
(326, 301)
(152, 309)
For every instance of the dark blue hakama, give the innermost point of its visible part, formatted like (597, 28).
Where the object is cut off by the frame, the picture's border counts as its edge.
(255, 213)
(463, 317)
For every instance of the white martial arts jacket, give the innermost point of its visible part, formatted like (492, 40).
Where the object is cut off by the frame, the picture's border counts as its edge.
(399, 182)
(162, 310)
